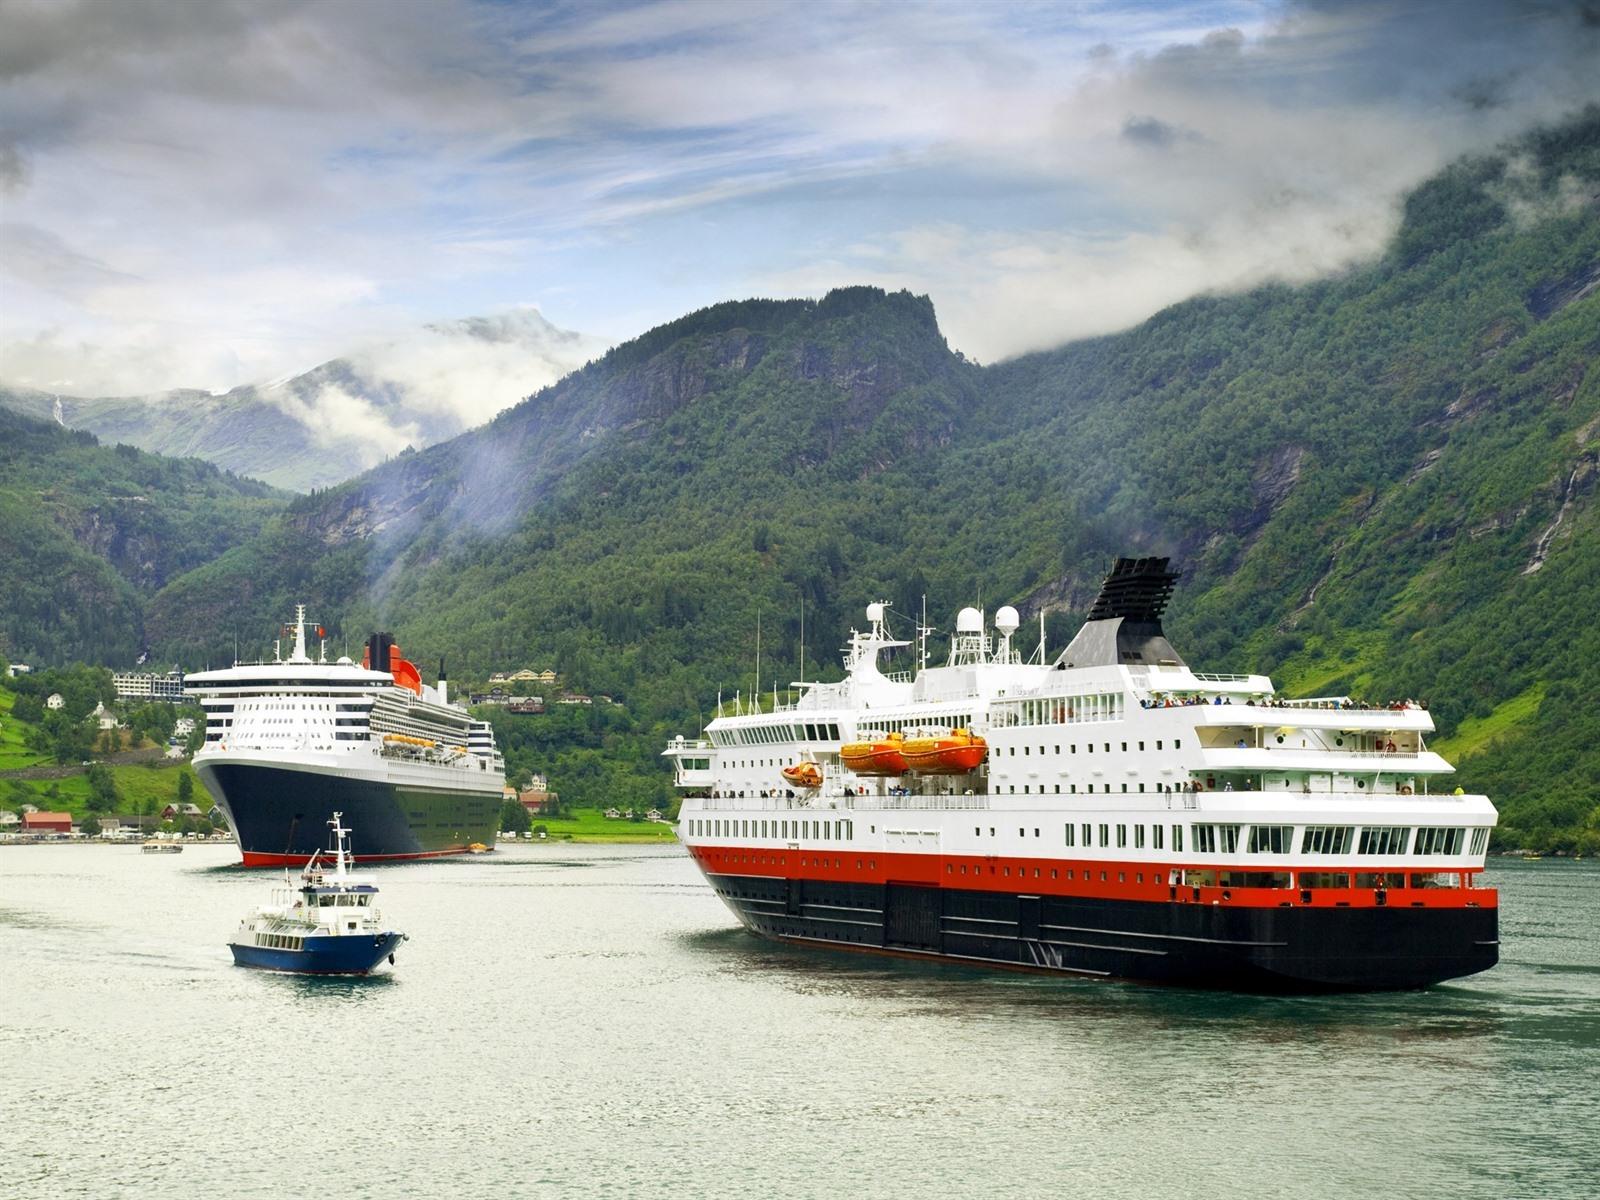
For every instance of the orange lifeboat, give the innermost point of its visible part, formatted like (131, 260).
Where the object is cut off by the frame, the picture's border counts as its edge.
(880, 757)
(953, 753)
(804, 774)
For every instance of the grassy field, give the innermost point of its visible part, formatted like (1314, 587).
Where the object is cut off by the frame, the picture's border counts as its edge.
(590, 825)
(137, 785)
(12, 751)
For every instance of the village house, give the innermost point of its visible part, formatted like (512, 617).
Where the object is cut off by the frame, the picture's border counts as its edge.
(55, 700)
(46, 822)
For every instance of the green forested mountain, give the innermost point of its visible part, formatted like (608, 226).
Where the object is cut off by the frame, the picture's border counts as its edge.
(89, 532)
(1381, 484)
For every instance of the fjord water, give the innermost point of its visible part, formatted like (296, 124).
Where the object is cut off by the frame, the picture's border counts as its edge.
(576, 1021)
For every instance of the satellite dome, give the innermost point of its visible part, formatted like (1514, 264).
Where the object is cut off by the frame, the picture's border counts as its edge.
(875, 611)
(1006, 620)
(344, 661)
(969, 620)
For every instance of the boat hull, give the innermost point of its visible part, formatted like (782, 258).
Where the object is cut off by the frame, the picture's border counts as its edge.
(327, 955)
(1262, 949)
(280, 814)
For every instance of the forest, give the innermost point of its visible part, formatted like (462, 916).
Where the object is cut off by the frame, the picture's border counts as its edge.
(1378, 484)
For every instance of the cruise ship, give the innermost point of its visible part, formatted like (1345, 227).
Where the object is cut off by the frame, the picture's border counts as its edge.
(1108, 812)
(290, 742)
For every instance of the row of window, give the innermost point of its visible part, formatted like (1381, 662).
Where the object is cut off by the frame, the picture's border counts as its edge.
(774, 735)
(915, 723)
(1072, 748)
(821, 831)
(280, 941)
(1060, 710)
(1207, 838)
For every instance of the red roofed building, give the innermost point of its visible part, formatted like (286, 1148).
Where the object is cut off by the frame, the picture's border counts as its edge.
(46, 822)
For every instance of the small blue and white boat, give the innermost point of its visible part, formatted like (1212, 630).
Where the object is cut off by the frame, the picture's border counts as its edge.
(326, 926)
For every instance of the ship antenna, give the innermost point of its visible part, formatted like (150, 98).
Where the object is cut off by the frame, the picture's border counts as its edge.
(756, 691)
(802, 635)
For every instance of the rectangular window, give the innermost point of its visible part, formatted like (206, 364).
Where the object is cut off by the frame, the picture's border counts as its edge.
(1440, 841)
(1384, 839)
(1177, 838)
(1105, 835)
(1138, 837)
(1271, 839)
(1155, 837)
(1070, 840)
(1480, 840)
(1327, 839)
(1087, 831)
(1215, 839)
(1122, 836)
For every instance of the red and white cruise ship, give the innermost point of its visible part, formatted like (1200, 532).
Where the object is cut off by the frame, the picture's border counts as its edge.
(1130, 817)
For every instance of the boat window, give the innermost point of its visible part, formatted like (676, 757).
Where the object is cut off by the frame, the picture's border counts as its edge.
(1177, 838)
(1088, 840)
(1122, 836)
(1327, 839)
(1105, 835)
(1138, 837)
(1439, 841)
(1155, 837)
(1271, 839)
(1384, 839)
(1480, 840)
(1069, 831)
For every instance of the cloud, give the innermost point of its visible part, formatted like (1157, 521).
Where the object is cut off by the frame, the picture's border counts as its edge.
(235, 191)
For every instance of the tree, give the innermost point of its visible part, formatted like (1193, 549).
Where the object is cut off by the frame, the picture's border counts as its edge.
(103, 794)
(513, 817)
(90, 827)
(185, 787)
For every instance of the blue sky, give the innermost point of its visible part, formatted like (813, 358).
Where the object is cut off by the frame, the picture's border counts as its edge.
(204, 195)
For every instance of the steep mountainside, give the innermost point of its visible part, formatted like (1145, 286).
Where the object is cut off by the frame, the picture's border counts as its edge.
(88, 533)
(342, 417)
(1382, 483)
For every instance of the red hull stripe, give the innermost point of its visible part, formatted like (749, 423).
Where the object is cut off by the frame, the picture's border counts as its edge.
(1071, 877)
(257, 858)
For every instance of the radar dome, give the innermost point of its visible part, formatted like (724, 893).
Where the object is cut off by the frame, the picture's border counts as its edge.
(344, 661)
(969, 620)
(1006, 620)
(875, 611)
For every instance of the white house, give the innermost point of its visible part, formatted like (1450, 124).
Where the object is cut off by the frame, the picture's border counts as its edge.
(55, 700)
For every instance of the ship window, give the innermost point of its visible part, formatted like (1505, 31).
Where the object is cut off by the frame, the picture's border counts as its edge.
(1384, 839)
(1138, 837)
(1271, 839)
(1177, 743)
(1105, 835)
(1087, 831)
(1327, 839)
(1072, 789)
(1088, 747)
(1439, 841)
(1073, 747)
(1158, 743)
(1155, 837)
(1122, 836)
(1141, 745)
(1124, 787)
(1141, 787)
(1108, 747)
(1069, 831)
(1124, 747)
(1177, 838)
(1026, 750)
(1480, 840)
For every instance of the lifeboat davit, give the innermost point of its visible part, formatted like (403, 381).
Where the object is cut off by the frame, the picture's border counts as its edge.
(803, 775)
(953, 753)
(881, 757)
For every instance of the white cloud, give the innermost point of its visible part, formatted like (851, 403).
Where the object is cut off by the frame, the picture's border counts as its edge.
(202, 195)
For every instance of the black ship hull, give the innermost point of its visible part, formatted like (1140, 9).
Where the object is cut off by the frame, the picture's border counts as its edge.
(280, 815)
(1275, 949)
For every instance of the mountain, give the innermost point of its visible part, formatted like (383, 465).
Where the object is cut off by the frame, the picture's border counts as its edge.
(342, 417)
(1381, 484)
(89, 533)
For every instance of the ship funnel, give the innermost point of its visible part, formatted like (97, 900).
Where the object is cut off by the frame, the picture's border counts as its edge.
(377, 656)
(1124, 626)
(444, 688)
